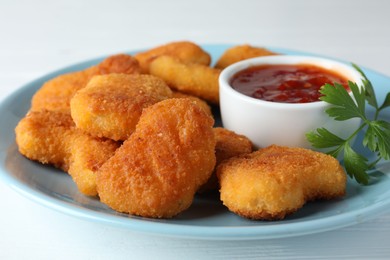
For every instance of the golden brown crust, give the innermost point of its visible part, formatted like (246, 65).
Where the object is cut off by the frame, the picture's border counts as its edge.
(55, 94)
(43, 136)
(228, 145)
(239, 53)
(186, 52)
(110, 105)
(203, 104)
(156, 172)
(51, 138)
(276, 181)
(87, 155)
(194, 79)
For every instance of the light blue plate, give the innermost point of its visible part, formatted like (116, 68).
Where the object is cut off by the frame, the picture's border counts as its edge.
(207, 218)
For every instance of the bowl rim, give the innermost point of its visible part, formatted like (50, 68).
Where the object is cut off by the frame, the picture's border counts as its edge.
(228, 72)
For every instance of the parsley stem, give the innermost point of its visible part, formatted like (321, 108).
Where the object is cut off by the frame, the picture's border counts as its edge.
(376, 113)
(372, 165)
(356, 131)
(348, 140)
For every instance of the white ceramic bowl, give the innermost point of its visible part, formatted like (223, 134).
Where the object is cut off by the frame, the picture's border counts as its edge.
(266, 123)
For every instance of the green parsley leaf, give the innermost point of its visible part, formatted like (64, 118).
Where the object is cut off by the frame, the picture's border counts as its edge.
(360, 98)
(322, 138)
(344, 105)
(386, 103)
(377, 138)
(369, 89)
(355, 165)
(377, 135)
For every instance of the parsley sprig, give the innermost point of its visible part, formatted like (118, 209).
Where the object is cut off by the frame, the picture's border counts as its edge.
(377, 132)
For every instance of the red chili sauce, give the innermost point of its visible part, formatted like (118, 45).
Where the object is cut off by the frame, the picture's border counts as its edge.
(285, 83)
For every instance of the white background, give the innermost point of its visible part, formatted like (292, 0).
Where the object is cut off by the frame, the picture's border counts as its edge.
(37, 37)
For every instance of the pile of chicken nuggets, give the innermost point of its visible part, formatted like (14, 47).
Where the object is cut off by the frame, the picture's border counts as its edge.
(137, 131)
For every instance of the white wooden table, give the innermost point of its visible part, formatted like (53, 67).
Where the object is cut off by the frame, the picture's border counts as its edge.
(40, 36)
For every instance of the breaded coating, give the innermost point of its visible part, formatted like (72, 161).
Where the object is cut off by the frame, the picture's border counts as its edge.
(55, 94)
(156, 172)
(44, 135)
(88, 154)
(51, 138)
(194, 79)
(185, 51)
(229, 144)
(276, 181)
(239, 53)
(111, 105)
(200, 102)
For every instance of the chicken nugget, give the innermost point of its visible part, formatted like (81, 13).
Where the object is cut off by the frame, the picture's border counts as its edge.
(186, 52)
(239, 53)
(51, 137)
(55, 94)
(43, 136)
(228, 145)
(200, 102)
(110, 105)
(194, 79)
(276, 181)
(88, 154)
(156, 172)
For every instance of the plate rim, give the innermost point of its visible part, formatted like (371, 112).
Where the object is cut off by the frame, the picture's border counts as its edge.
(185, 231)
